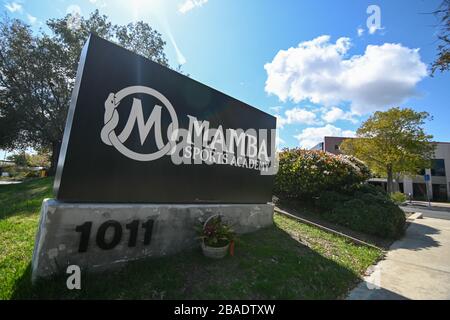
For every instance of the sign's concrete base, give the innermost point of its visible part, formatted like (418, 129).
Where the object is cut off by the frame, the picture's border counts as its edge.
(100, 236)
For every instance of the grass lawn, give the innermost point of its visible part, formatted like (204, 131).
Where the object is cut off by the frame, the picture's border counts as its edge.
(290, 260)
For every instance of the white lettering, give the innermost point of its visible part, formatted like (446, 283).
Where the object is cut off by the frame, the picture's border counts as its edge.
(74, 280)
(136, 115)
(197, 127)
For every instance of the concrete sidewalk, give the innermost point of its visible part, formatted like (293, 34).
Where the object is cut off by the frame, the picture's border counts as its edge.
(3, 182)
(435, 206)
(441, 214)
(416, 267)
(439, 205)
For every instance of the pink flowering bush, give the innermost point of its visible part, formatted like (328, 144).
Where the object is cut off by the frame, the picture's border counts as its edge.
(305, 174)
(334, 184)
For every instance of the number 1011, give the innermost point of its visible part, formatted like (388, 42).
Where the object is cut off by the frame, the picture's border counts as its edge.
(100, 238)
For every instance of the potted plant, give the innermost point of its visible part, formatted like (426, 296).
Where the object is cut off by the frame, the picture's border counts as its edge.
(217, 237)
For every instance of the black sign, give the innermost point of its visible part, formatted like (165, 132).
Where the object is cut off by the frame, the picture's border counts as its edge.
(139, 132)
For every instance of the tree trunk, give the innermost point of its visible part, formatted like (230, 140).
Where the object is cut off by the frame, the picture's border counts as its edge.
(56, 148)
(390, 184)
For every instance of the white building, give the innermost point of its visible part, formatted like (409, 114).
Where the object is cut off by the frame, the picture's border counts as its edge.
(437, 188)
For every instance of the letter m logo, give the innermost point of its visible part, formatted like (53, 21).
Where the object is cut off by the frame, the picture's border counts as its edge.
(137, 116)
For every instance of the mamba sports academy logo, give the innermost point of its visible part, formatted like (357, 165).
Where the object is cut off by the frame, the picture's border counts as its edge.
(197, 144)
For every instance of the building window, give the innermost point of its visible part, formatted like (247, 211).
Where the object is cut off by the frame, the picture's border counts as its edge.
(419, 191)
(438, 167)
(439, 192)
(336, 147)
(318, 146)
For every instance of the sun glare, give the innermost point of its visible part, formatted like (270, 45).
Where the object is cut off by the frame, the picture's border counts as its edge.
(142, 8)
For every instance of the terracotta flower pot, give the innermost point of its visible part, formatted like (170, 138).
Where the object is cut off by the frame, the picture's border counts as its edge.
(215, 253)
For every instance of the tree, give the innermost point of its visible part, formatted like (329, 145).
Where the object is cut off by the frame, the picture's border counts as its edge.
(393, 143)
(22, 158)
(37, 74)
(442, 62)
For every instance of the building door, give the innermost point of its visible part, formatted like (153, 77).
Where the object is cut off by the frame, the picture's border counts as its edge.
(419, 191)
(439, 192)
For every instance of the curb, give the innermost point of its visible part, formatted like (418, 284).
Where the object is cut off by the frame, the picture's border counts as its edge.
(416, 215)
(354, 240)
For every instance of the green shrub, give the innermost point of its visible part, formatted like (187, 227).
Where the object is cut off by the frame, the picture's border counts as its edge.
(12, 171)
(328, 200)
(398, 197)
(31, 174)
(369, 188)
(368, 210)
(305, 174)
(364, 170)
(21, 173)
(335, 183)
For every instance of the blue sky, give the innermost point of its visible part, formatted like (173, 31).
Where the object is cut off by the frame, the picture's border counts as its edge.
(314, 64)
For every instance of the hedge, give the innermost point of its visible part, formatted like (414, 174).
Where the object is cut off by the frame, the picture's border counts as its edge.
(335, 184)
(304, 174)
(367, 210)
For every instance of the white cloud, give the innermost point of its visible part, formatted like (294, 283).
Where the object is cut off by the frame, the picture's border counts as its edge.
(309, 137)
(319, 71)
(335, 114)
(14, 7)
(297, 116)
(98, 3)
(373, 29)
(360, 32)
(279, 142)
(188, 5)
(73, 9)
(74, 19)
(276, 109)
(31, 19)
